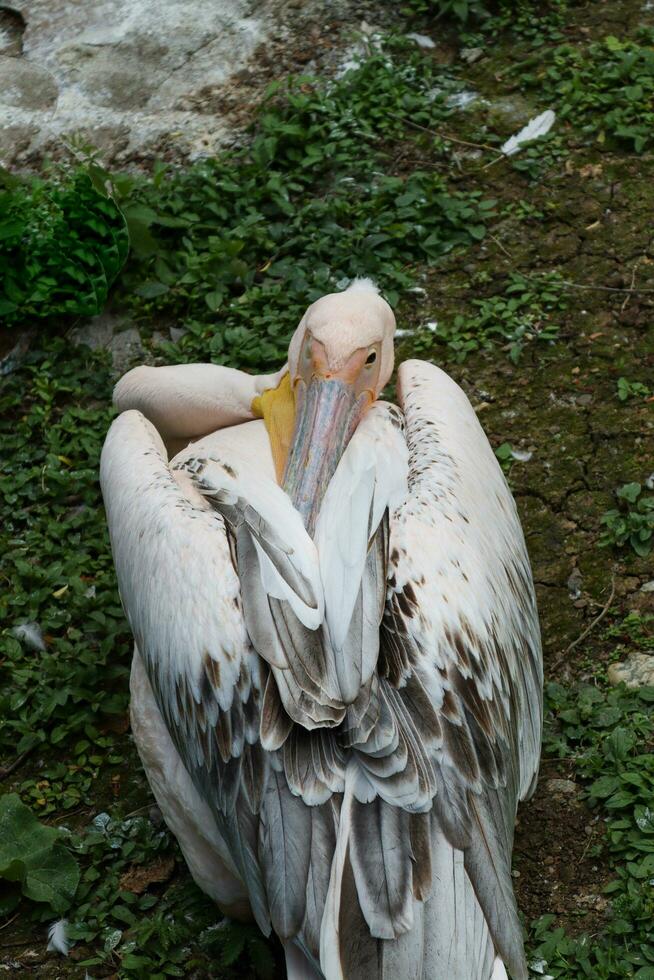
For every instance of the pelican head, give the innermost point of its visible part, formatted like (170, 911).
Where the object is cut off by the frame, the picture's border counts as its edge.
(340, 358)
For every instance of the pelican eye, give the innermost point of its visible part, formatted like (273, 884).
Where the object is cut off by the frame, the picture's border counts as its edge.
(371, 358)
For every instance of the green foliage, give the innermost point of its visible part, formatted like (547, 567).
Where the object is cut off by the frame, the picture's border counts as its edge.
(63, 241)
(632, 522)
(504, 454)
(33, 859)
(234, 942)
(607, 734)
(537, 158)
(514, 318)
(55, 552)
(631, 389)
(462, 10)
(253, 237)
(527, 18)
(112, 916)
(606, 89)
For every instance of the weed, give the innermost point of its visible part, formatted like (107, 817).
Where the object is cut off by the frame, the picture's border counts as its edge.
(63, 241)
(523, 211)
(631, 389)
(632, 522)
(519, 315)
(307, 206)
(124, 862)
(56, 554)
(606, 89)
(33, 860)
(608, 735)
(462, 10)
(525, 18)
(540, 157)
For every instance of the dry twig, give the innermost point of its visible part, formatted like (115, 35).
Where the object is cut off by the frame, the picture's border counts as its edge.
(582, 636)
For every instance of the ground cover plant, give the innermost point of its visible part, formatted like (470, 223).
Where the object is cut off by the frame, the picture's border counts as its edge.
(610, 734)
(62, 244)
(606, 89)
(528, 279)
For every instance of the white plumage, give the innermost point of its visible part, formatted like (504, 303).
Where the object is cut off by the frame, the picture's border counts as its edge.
(337, 724)
(538, 126)
(58, 941)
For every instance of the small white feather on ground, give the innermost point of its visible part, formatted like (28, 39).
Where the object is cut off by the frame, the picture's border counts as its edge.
(421, 40)
(58, 941)
(535, 128)
(30, 633)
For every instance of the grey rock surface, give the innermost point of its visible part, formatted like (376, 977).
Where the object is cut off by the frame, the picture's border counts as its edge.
(142, 79)
(561, 788)
(26, 85)
(127, 350)
(97, 332)
(636, 671)
(114, 334)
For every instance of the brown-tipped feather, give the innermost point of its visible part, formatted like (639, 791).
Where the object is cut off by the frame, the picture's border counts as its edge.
(420, 836)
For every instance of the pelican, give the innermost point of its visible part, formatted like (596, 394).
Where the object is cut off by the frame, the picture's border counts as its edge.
(336, 690)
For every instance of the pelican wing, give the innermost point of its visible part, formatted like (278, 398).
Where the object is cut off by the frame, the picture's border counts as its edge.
(460, 645)
(182, 598)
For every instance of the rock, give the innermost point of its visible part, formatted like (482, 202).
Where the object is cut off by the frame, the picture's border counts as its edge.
(561, 788)
(126, 349)
(15, 140)
(461, 100)
(24, 85)
(122, 67)
(510, 111)
(636, 671)
(14, 345)
(97, 332)
(176, 333)
(471, 55)
(119, 76)
(575, 583)
(647, 586)
(114, 334)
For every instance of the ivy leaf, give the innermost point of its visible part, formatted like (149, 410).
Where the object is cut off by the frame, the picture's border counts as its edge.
(31, 853)
(52, 878)
(630, 492)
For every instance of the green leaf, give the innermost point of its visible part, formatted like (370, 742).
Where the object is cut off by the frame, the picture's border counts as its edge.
(52, 878)
(150, 290)
(11, 229)
(214, 299)
(30, 853)
(630, 492)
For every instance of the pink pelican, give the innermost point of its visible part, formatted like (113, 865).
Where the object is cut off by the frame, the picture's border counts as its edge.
(336, 689)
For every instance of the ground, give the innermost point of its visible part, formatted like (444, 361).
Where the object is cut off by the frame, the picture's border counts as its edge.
(572, 219)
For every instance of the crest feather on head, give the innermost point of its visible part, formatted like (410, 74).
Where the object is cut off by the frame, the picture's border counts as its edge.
(363, 285)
